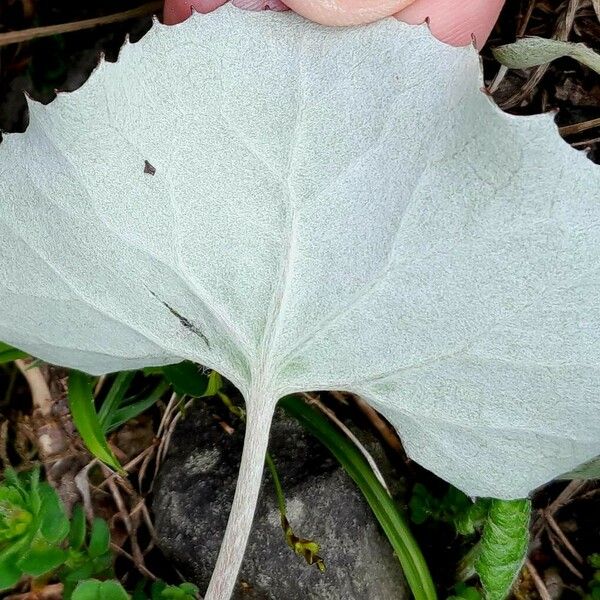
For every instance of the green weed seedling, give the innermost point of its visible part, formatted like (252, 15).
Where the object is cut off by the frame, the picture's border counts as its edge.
(33, 525)
(37, 539)
(87, 556)
(593, 587)
(92, 589)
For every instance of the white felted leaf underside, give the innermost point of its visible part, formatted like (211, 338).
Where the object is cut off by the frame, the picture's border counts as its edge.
(331, 209)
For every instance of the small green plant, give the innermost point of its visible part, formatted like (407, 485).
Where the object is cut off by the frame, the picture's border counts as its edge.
(454, 508)
(462, 591)
(497, 556)
(593, 587)
(118, 407)
(93, 589)
(87, 555)
(37, 539)
(162, 591)
(33, 525)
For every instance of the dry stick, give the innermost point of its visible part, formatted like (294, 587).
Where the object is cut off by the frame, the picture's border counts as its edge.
(123, 512)
(563, 538)
(50, 592)
(561, 557)
(25, 35)
(48, 398)
(563, 498)
(140, 567)
(586, 142)
(579, 127)
(386, 432)
(83, 485)
(132, 463)
(537, 580)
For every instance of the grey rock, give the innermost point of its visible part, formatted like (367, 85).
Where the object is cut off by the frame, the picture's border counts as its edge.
(193, 496)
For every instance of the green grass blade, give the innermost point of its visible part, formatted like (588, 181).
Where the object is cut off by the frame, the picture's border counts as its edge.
(83, 411)
(503, 546)
(115, 397)
(8, 353)
(130, 411)
(384, 508)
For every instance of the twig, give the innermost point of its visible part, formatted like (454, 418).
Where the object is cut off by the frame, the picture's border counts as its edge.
(123, 512)
(572, 489)
(50, 415)
(26, 35)
(83, 485)
(561, 557)
(50, 592)
(563, 538)
(537, 580)
(579, 127)
(140, 567)
(385, 431)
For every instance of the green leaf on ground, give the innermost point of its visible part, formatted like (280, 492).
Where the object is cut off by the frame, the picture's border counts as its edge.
(534, 51)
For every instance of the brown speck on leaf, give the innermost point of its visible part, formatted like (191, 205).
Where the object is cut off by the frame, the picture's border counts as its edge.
(148, 168)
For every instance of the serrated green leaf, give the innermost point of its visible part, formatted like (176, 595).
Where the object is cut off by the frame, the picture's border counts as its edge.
(415, 246)
(503, 546)
(83, 411)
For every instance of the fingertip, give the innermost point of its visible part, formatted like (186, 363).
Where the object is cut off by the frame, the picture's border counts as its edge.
(456, 23)
(176, 11)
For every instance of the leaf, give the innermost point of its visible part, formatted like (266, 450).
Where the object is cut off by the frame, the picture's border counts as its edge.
(78, 528)
(100, 590)
(589, 470)
(8, 353)
(134, 409)
(99, 538)
(533, 51)
(41, 558)
(9, 574)
(54, 523)
(83, 411)
(503, 546)
(114, 398)
(187, 379)
(330, 209)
